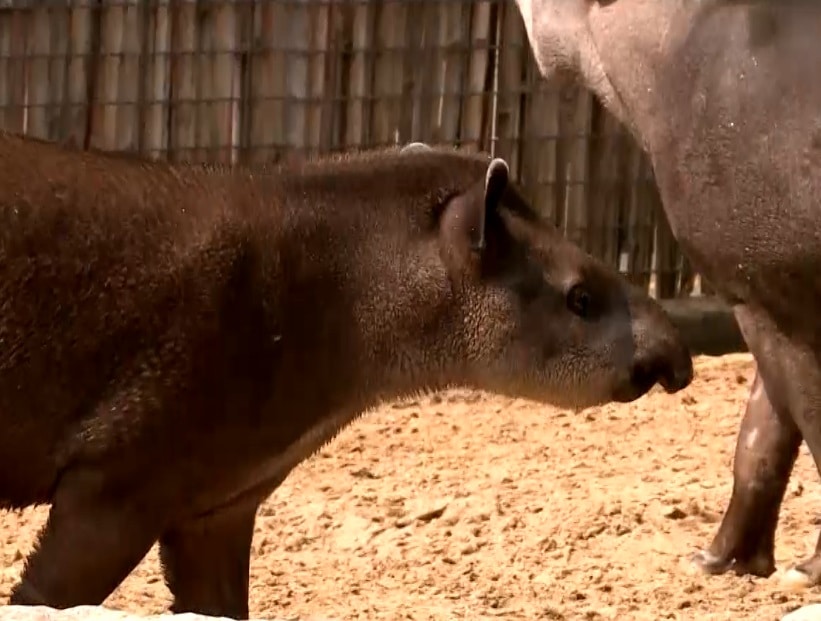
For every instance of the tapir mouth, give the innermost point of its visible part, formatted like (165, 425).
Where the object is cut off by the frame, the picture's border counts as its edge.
(643, 377)
(641, 380)
(673, 383)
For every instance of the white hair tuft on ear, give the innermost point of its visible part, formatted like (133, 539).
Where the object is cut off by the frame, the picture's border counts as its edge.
(496, 168)
(415, 147)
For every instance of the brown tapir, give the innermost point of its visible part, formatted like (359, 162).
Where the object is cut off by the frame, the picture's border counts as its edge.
(174, 339)
(725, 96)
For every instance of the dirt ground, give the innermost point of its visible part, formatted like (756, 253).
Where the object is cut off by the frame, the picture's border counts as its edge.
(472, 507)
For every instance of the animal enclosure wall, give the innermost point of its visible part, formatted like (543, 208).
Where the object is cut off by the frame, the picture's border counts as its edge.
(256, 80)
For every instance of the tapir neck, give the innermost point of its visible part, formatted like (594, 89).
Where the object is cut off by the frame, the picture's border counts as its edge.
(632, 60)
(357, 319)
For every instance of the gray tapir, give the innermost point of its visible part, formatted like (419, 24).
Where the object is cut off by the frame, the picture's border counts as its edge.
(175, 339)
(725, 96)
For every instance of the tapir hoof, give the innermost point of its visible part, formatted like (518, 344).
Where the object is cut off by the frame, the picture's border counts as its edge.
(795, 580)
(804, 575)
(710, 564)
(713, 565)
(24, 594)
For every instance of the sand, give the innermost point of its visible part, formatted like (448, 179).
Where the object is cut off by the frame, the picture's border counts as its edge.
(470, 506)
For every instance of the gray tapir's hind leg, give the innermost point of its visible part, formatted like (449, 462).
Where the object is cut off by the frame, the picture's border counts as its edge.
(766, 450)
(89, 544)
(791, 372)
(206, 561)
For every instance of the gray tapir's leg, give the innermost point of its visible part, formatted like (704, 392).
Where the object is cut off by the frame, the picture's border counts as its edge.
(90, 543)
(766, 449)
(206, 561)
(791, 372)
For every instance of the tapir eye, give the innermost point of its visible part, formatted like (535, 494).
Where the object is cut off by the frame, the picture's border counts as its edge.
(578, 301)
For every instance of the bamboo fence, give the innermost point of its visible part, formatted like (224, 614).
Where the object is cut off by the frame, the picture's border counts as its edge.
(257, 80)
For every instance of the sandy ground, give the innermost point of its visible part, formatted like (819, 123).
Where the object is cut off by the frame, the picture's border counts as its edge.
(468, 506)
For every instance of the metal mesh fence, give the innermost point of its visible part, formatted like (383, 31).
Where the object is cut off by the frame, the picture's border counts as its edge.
(258, 80)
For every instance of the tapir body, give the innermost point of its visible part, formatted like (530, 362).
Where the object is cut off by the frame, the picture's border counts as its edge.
(175, 339)
(724, 95)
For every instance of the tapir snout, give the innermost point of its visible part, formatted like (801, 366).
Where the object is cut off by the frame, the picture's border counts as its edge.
(660, 354)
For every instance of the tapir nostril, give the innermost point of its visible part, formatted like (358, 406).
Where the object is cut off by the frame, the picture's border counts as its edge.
(645, 373)
(673, 373)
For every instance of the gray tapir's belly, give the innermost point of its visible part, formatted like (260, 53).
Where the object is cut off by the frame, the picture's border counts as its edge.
(755, 242)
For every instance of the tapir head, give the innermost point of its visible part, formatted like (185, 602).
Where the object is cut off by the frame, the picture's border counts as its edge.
(528, 313)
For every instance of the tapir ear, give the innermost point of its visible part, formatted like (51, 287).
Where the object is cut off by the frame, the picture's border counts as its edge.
(414, 147)
(496, 180)
(464, 220)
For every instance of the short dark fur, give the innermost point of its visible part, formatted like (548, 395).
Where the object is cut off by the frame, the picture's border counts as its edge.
(176, 338)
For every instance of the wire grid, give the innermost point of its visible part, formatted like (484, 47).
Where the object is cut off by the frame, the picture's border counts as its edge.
(259, 80)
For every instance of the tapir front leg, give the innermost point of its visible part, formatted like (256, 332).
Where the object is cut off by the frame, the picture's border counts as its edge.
(91, 541)
(766, 450)
(789, 369)
(206, 561)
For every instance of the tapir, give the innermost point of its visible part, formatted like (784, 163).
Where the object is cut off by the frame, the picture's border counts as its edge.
(725, 98)
(174, 339)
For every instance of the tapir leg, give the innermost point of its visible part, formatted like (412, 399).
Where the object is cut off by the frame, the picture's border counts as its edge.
(766, 449)
(88, 545)
(791, 372)
(206, 561)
